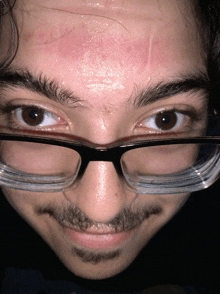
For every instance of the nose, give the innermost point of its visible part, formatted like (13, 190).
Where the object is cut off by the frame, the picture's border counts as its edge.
(100, 194)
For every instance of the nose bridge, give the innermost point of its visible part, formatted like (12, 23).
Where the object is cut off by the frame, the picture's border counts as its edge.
(100, 154)
(100, 192)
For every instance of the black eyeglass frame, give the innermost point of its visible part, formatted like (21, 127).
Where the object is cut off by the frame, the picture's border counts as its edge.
(110, 152)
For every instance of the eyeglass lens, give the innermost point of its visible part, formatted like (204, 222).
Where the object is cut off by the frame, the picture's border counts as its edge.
(50, 160)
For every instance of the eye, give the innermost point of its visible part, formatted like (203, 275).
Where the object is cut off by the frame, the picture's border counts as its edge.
(35, 117)
(164, 121)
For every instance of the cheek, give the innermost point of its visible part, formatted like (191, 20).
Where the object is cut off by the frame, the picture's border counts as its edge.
(17, 199)
(170, 204)
(25, 202)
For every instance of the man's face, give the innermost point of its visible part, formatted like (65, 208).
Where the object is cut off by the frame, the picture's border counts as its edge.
(105, 53)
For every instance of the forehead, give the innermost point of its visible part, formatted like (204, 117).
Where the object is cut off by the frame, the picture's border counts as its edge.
(103, 45)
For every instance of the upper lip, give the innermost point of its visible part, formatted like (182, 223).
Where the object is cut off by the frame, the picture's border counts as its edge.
(96, 230)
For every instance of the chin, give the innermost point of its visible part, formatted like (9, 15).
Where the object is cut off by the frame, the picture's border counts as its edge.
(99, 272)
(88, 268)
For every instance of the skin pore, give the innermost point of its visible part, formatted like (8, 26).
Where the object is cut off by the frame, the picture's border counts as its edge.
(105, 53)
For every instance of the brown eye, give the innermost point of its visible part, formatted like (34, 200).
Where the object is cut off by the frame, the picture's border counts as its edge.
(35, 117)
(32, 116)
(164, 121)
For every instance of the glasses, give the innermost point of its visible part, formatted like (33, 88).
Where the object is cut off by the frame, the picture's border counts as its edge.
(56, 162)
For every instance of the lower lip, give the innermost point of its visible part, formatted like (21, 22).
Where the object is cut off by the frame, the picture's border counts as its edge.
(98, 241)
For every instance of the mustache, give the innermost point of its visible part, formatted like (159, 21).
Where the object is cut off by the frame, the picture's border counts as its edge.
(126, 220)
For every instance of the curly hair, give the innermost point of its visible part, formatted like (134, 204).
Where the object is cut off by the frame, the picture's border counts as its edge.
(208, 17)
(8, 33)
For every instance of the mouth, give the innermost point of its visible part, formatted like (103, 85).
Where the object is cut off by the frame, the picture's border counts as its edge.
(98, 238)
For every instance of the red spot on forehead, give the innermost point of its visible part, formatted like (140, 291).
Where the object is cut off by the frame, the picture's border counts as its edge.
(41, 36)
(108, 2)
(74, 43)
(79, 45)
(111, 51)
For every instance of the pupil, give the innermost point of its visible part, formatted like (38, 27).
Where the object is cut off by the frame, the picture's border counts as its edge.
(32, 116)
(166, 120)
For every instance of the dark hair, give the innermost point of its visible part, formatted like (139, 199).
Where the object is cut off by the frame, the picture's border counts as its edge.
(208, 18)
(9, 38)
(210, 22)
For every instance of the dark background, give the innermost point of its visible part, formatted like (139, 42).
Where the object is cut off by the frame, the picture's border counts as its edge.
(185, 252)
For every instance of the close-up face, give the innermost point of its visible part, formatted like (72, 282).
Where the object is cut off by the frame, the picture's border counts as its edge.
(93, 69)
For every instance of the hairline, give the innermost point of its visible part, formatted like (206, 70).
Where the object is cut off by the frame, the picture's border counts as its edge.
(201, 25)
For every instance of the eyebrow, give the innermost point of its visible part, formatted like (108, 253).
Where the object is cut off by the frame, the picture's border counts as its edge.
(51, 89)
(187, 83)
(39, 84)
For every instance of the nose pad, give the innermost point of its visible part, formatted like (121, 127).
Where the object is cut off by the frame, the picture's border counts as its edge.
(85, 163)
(100, 192)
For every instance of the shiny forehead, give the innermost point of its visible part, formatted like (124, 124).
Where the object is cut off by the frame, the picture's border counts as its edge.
(72, 28)
(151, 10)
(98, 47)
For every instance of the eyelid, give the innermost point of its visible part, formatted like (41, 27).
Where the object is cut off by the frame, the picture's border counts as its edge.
(8, 108)
(21, 103)
(188, 111)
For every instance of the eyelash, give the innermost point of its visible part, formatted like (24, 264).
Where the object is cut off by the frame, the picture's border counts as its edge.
(191, 115)
(13, 119)
(13, 122)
